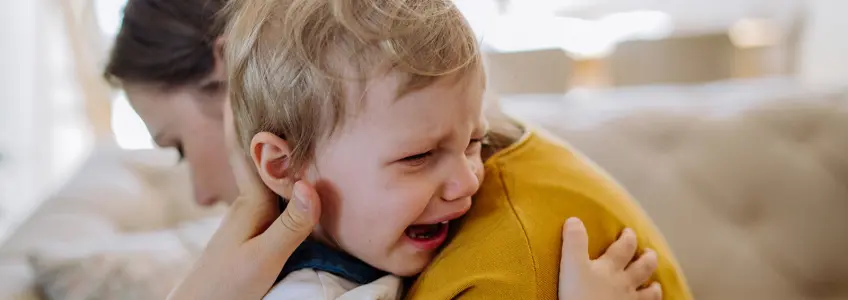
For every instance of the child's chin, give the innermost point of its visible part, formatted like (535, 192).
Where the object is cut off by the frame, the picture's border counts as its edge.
(407, 272)
(409, 267)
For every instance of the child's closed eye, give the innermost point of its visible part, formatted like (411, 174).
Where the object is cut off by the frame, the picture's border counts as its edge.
(417, 159)
(474, 145)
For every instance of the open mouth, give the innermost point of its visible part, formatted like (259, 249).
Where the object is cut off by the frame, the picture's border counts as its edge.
(426, 232)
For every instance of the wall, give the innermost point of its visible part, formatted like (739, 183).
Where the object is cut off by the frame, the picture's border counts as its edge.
(44, 130)
(824, 52)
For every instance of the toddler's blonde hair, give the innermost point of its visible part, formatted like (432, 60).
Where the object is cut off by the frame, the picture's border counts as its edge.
(288, 60)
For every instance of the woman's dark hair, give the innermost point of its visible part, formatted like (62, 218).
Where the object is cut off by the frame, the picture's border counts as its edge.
(166, 42)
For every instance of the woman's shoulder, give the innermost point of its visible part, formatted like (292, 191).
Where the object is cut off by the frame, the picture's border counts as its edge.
(542, 167)
(544, 181)
(508, 245)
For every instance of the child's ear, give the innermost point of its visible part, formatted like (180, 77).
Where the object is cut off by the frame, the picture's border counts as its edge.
(272, 157)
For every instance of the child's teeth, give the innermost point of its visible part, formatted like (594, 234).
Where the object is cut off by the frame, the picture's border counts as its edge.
(444, 222)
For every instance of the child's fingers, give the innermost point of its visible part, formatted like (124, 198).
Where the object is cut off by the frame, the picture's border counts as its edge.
(575, 257)
(652, 292)
(621, 252)
(575, 242)
(640, 271)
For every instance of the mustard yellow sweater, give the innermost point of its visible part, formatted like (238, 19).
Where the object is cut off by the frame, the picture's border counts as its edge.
(508, 245)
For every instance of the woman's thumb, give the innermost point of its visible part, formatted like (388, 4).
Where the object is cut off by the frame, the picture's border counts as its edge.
(295, 223)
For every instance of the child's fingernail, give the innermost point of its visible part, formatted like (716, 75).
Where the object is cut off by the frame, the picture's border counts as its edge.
(300, 198)
(573, 221)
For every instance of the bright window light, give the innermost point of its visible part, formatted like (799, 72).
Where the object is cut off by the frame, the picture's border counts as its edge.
(481, 15)
(750, 33)
(109, 14)
(582, 38)
(128, 128)
(639, 24)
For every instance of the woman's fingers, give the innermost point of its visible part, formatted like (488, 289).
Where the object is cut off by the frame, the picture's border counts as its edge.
(621, 252)
(261, 258)
(640, 271)
(250, 247)
(256, 208)
(292, 226)
(245, 219)
(247, 179)
(575, 242)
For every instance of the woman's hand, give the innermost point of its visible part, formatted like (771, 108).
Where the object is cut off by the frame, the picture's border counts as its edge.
(247, 252)
(610, 277)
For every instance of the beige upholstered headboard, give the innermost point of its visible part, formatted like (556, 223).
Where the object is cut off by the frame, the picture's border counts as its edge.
(542, 71)
(675, 60)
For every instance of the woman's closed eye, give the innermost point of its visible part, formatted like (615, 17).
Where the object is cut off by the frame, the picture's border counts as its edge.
(180, 151)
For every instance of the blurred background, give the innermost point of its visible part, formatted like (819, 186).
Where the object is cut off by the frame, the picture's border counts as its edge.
(725, 118)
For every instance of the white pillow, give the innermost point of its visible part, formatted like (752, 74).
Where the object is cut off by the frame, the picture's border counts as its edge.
(18, 280)
(130, 266)
(109, 186)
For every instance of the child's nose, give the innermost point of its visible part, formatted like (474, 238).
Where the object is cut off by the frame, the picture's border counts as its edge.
(463, 181)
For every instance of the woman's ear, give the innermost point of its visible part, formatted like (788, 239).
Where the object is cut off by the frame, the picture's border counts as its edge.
(215, 80)
(219, 70)
(271, 156)
(212, 89)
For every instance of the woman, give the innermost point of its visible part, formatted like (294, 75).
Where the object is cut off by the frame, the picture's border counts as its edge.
(165, 59)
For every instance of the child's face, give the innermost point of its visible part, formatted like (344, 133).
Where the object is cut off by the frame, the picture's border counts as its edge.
(399, 162)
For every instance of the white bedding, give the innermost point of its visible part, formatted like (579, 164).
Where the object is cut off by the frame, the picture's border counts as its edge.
(124, 213)
(585, 108)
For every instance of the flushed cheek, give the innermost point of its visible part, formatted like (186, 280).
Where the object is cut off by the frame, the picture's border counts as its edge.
(380, 226)
(375, 231)
(477, 168)
(479, 171)
(366, 215)
(329, 225)
(350, 218)
(374, 243)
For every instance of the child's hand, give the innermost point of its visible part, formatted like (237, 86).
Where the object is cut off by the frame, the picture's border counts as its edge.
(610, 277)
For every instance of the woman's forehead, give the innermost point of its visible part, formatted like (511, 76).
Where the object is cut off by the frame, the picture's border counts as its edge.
(158, 108)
